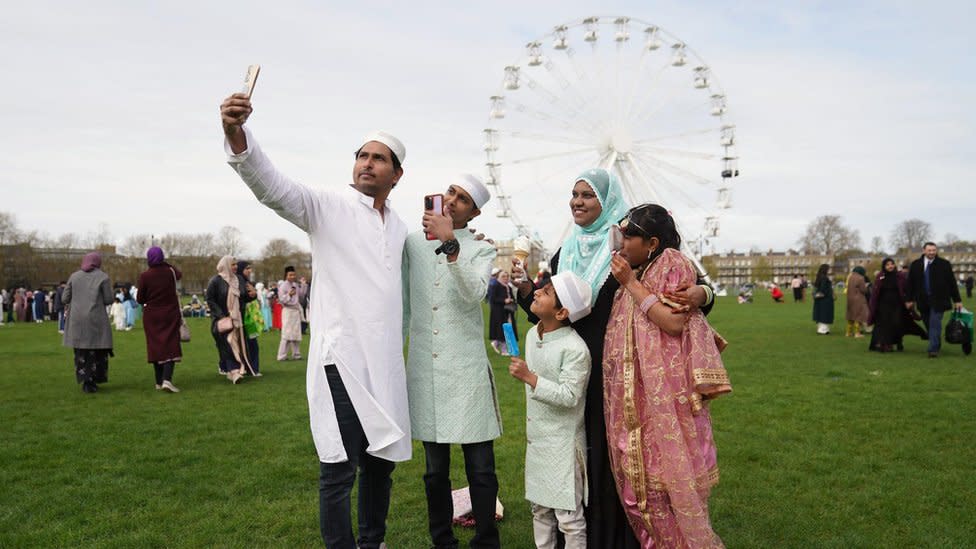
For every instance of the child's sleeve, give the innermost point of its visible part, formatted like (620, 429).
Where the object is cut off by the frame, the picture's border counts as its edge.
(677, 271)
(571, 386)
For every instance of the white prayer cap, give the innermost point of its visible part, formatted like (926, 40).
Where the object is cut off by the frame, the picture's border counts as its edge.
(573, 293)
(392, 142)
(479, 193)
(495, 271)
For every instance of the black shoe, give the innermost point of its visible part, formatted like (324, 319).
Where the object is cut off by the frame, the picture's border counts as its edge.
(89, 387)
(900, 347)
(933, 355)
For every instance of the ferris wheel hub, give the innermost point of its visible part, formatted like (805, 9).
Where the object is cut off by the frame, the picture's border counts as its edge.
(621, 142)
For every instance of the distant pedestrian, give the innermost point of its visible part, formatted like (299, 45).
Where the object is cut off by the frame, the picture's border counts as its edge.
(931, 286)
(857, 302)
(226, 297)
(40, 305)
(59, 305)
(502, 307)
(823, 300)
(163, 317)
(796, 284)
(87, 331)
(290, 294)
(969, 286)
(252, 319)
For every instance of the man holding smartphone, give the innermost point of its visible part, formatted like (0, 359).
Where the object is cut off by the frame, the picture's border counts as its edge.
(449, 379)
(356, 384)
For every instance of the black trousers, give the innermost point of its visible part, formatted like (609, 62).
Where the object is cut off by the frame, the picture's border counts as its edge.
(164, 371)
(336, 480)
(479, 467)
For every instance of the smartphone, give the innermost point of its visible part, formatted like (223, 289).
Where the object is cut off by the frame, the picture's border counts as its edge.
(250, 79)
(616, 239)
(433, 203)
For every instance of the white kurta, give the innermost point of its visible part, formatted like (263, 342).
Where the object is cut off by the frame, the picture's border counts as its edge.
(356, 306)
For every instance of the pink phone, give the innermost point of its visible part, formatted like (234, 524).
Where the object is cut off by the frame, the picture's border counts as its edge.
(433, 203)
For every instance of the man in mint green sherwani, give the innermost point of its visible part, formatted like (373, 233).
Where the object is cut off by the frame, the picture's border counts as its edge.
(450, 385)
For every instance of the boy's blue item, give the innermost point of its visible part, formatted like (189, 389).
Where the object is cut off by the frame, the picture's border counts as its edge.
(510, 341)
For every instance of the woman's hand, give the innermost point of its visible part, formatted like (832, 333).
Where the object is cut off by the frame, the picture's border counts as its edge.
(689, 298)
(621, 270)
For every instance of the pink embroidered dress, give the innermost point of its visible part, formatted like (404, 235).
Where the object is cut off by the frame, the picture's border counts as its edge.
(658, 428)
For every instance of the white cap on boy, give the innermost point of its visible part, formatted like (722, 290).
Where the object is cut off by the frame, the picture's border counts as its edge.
(479, 193)
(573, 293)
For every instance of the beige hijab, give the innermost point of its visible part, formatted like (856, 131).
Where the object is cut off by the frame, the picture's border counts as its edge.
(235, 338)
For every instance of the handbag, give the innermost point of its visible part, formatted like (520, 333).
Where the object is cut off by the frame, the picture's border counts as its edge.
(956, 332)
(184, 329)
(225, 325)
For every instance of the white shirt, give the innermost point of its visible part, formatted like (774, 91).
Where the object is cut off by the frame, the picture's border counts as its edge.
(356, 307)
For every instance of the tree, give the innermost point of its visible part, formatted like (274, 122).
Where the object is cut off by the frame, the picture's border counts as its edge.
(911, 234)
(828, 235)
(278, 247)
(9, 234)
(230, 241)
(877, 245)
(950, 239)
(102, 236)
(135, 245)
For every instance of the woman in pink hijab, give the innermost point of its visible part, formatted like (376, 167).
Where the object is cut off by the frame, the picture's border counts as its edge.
(86, 295)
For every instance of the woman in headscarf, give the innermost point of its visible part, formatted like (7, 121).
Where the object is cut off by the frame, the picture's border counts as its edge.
(87, 331)
(162, 317)
(20, 304)
(265, 303)
(857, 302)
(891, 319)
(501, 307)
(226, 297)
(597, 203)
(823, 300)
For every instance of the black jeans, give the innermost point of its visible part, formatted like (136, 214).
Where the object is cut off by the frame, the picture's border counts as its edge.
(164, 371)
(479, 465)
(253, 353)
(336, 480)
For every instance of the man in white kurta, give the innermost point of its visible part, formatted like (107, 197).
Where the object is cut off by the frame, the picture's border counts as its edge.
(290, 294)
(356, 381)
(449, 379)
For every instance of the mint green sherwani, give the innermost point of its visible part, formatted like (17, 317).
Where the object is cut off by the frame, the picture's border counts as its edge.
(450, 385)
(554, 432)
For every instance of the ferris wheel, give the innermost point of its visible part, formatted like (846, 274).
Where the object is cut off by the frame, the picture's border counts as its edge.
(621, 94)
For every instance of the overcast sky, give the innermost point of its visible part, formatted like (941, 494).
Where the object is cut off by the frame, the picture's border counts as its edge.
(110, 109)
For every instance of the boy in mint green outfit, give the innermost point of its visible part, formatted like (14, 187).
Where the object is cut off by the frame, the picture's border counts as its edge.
(555, 372)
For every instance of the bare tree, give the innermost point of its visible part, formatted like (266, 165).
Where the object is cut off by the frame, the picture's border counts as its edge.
(950, 239)
(135, 245)
(911, 234)
(877, 245)
(278, 247)
(102, 236)
(828, 235)
(9, 234)
(230, 241)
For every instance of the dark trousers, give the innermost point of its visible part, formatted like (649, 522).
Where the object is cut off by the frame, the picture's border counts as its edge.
(479, 466)
(933, 319)
(253, 354)
(336, 480)
(164, 371)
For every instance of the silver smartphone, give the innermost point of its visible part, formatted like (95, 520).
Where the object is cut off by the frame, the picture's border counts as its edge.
(250, 79)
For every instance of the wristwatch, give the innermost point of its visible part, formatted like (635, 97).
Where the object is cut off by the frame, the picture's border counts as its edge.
(449, 247)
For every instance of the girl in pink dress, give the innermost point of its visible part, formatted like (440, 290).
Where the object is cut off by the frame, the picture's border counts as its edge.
(661, 366)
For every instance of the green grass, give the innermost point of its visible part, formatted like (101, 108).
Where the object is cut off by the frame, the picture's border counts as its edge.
(821, 444)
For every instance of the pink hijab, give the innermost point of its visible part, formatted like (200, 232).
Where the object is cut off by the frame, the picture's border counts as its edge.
(91, 261)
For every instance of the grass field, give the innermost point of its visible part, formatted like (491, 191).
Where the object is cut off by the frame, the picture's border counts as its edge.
(822, 444)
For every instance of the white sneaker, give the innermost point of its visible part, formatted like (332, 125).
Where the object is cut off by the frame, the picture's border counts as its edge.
(168, 385)
(158, 386)
(259, 374)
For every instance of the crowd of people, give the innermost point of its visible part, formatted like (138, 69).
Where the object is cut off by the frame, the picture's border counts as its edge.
(892, 304)
(619, 366)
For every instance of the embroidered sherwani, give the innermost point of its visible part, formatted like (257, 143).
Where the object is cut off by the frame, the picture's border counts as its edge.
(659, 431)
(554, 432)
(450, 383)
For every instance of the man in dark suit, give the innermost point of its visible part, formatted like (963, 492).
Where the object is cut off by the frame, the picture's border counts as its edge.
(931, 285)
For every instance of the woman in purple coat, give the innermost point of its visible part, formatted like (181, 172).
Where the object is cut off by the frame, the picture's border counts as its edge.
(161, 317)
